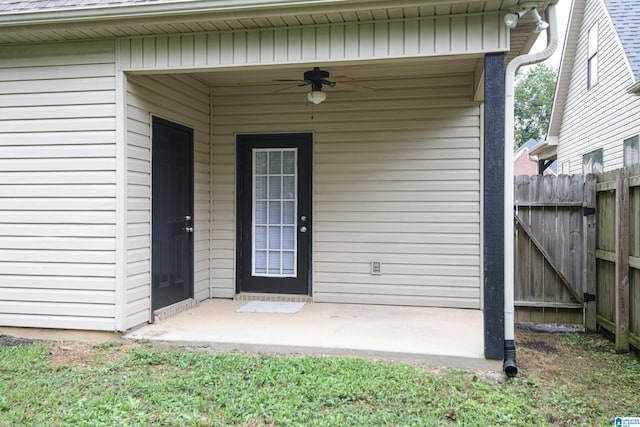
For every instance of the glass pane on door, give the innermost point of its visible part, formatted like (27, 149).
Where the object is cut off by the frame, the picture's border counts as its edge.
(274, 212)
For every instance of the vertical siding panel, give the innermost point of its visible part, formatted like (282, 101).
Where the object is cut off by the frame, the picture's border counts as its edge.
(337, 37)
(187, 50)
(253, 47)
(411, 38)
(175, 51)
(352, 41)
(474, 27)
(281, 45)
(125, 53)
(459, 35)
(323, 43)
(381, 39)
(226, 48)
(397, 38)
(443, 35)
(136, 53)
(58, 194)
(149, 52)
(366, 42)
(427, 37)
(491, 39)
(213, 49)
(309, 44)
(240, 48)
(267, 48)
(162, 52)
(294, 44)
(200, 50)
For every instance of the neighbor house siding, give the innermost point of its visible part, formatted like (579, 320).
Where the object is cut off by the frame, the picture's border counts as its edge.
(396, 179)
(402, 38)
(184, 100)
(605, 115)
(58, 185)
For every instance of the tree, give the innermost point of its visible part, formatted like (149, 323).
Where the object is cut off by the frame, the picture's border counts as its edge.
(533, 100)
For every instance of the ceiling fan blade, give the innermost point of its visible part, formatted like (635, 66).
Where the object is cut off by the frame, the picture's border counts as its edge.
(286, 88)
(354, 88)
(290, 80)
(340, 78)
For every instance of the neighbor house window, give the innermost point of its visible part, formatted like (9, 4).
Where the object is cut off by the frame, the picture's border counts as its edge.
(592, 56)
(631, 151)
(592, 162)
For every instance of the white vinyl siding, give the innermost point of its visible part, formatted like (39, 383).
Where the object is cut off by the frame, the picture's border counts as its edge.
(396, 179)
(58, 185)
(592, 56)
(407, 38)
(184, 100)
(605, 115)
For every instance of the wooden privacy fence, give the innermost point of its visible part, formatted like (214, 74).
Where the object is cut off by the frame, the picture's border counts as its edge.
(577, 248)
(549, 247)
(617, 252)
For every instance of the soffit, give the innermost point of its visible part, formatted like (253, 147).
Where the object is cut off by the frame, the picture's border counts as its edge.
(82, 19)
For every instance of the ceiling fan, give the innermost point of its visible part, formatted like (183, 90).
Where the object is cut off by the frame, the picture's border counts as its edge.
(318, 78)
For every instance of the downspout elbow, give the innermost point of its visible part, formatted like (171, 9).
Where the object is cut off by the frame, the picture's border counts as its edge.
(510, 366)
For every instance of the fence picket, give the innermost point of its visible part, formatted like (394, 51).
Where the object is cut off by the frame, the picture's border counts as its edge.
(569, 254)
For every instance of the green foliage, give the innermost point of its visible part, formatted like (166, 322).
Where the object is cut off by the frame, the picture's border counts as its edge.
(533, 99)
(152, 386)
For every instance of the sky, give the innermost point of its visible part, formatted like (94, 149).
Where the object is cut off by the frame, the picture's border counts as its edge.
(562, 11)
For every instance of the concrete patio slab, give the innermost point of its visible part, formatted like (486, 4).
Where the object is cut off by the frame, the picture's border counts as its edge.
(439, 336)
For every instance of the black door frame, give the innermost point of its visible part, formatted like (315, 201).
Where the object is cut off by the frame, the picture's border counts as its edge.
(187, 223)
(304, 142)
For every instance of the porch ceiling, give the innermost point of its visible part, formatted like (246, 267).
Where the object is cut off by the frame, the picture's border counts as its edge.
(75, 20)
(357, 73)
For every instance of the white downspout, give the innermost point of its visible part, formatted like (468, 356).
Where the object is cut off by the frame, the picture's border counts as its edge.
(510, 366)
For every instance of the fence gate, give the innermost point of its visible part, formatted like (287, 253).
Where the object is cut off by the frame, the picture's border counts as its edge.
(552, 236)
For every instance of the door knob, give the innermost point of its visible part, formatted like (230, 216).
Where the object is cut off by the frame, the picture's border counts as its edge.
(303, 229)
(188, 229)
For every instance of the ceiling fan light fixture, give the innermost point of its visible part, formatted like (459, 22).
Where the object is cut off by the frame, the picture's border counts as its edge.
(316, 97)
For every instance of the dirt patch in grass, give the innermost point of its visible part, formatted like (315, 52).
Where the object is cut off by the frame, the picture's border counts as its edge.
(9, 341)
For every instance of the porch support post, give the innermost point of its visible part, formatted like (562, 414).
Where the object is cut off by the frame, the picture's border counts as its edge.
(493, 212)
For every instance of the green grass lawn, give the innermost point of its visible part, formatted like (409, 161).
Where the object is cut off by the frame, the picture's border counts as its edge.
(134, 384)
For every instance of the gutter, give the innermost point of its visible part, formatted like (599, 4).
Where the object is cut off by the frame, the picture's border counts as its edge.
(509, 366)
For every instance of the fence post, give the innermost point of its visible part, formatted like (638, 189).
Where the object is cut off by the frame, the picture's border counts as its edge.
(589, 252)
(622, 261)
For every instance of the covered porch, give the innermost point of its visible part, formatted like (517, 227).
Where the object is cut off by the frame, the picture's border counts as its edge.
(434, 336)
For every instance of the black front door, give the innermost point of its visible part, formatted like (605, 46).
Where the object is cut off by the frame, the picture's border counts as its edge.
(172, 213)
(274, 213)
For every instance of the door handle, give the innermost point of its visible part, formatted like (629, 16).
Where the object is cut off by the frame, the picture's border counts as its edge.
(303, 229)
(188, 229)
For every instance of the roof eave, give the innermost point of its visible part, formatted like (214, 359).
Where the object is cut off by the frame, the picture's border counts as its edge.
(190, 8)
(545, 150)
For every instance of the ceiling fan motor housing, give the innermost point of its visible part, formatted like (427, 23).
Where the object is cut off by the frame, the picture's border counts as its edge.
(317, 78)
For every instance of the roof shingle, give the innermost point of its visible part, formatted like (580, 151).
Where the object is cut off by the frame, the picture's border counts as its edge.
(7, 6)
(625, 15)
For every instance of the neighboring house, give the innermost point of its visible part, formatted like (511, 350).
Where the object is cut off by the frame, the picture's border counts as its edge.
(149, 156)
(595, 121)
(523, 164)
